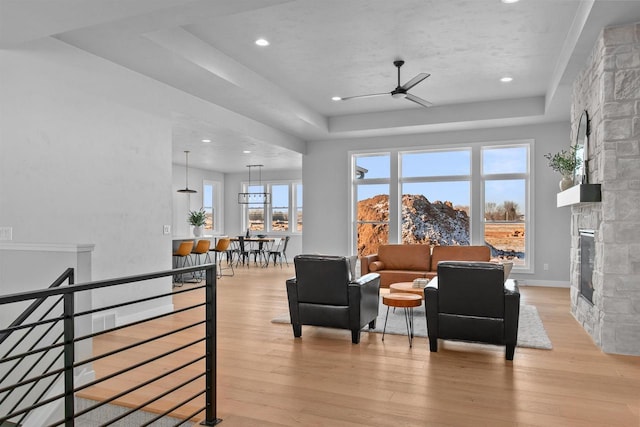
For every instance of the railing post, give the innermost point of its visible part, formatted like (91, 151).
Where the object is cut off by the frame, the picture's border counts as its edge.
(69, 357)
(211, 349)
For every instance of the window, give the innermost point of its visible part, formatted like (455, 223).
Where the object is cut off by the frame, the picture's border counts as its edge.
(371, 179)
(505, 187)
(286, 203)
(299, 208)
(279, 207)
(256, 210)
(473, 195)
(211, 199)
(436, 191)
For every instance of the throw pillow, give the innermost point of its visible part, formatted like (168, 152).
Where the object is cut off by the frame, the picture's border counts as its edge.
(376, 266)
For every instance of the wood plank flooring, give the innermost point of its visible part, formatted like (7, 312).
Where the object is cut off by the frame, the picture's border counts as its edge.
(268, 378)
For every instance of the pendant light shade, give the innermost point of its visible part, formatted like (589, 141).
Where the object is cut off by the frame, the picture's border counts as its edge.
(186, 189)
(254, 198)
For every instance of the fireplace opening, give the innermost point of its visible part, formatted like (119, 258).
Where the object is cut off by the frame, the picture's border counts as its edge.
(587, 256)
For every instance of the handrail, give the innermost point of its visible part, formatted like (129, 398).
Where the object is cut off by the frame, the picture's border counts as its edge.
(68, 274)
(63, 366)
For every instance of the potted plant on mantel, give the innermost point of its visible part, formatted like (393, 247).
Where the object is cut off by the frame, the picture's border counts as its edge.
(565, 163)
(197, 219)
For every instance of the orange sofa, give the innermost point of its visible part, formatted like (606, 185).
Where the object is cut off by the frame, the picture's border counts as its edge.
(403, 263)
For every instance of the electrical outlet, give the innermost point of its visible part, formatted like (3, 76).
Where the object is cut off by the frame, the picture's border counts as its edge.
(6, 233)
(166, 229)
(545, 267)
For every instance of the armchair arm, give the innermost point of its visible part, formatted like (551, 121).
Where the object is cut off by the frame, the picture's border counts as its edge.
(511, 315)
(431, 292)
(363, 280)
(511, 287)
(364, 298)
(431, 312)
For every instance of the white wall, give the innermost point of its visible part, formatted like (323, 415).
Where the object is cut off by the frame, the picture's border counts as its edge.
(326, 191)
(82, 162)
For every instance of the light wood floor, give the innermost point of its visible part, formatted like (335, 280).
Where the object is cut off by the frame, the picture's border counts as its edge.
(268, 378)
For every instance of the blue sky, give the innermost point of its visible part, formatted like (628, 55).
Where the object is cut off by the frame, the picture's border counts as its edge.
(450, 163)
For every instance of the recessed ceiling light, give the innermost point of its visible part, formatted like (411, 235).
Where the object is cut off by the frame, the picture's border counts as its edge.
(506, 79)
(510, 1)
(246, 152)
(336, 98)
(206, 140)
(262, 42)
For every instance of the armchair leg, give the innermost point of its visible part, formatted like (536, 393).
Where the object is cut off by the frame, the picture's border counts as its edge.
(297, 330)
(433, 345)
(355, 336)
(511, 349)
(372, 324)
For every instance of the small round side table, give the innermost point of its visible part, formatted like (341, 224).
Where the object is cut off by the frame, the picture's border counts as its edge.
(405, 301)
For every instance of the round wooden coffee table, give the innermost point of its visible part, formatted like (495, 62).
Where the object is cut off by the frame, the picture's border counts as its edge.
(405, 301)
(406, 288)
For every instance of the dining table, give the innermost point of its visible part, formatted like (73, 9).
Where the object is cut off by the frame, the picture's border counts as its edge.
(260, 241)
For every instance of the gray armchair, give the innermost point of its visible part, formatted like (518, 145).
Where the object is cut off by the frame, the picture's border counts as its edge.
(472, 301)
(323, 293)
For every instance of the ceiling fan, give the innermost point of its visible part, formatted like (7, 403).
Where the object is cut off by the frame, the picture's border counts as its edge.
(400, 91)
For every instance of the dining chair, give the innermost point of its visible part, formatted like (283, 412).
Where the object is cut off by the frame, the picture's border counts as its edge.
(256, 249)
(233, 251)
(273, 249)
(243, 253)
(281, 252)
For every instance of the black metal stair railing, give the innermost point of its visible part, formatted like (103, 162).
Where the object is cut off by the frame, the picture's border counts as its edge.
(39, 368)
(34, 339)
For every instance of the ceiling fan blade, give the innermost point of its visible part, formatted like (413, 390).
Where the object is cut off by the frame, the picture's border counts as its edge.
(364, 96)
(418, 100)
(414, 81)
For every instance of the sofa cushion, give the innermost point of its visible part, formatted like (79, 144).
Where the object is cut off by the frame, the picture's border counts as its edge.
(389, 277)
(459, 253)
(405, 257)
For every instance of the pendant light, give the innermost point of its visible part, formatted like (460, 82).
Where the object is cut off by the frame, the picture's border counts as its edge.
(186, 189)
(251, 198)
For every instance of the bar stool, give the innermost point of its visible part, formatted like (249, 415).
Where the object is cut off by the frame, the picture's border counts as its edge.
(222, 247)
(201, 248)
(181, 258)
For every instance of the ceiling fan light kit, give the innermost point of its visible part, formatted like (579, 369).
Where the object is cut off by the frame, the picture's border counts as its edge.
(401, 90)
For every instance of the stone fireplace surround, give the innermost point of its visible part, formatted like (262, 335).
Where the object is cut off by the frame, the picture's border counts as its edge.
(609, 89)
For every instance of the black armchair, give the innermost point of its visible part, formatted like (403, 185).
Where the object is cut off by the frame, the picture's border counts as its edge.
(472, 301)
(324, 294)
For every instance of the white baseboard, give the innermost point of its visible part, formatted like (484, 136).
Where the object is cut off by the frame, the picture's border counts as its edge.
(545, 283)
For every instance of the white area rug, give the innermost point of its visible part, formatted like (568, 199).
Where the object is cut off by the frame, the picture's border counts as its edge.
(531, 331)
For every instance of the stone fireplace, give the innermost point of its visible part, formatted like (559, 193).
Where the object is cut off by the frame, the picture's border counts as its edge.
(608, 88)
(587, 262)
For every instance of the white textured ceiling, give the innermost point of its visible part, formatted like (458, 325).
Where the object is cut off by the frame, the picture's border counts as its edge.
(323, 48)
